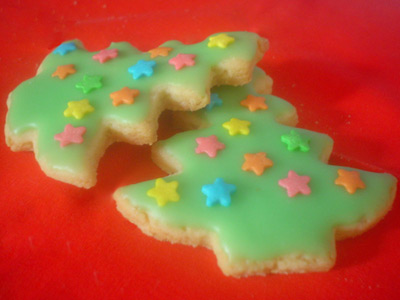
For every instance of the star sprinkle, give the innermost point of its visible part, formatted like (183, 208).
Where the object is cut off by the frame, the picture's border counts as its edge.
(142, 68)
(221, 40)
(182, 60)
(63, 71)
(78, 109)
(160, 51)
(215, 100)
(218, 192)
(124, 96)
(236, 126)
(350, 180)
(209, 145)
(256, 162)
(295, 141)
(89, 83)
(105, 55)
(164, 192)
(70, 135)
(295, 184)
(65, 48)
(254, 103)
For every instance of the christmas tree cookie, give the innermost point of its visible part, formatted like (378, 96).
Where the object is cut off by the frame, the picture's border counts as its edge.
(255, 190)
(81, 102)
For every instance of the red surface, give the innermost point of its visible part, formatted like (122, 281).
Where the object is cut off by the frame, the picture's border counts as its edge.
(337, 61)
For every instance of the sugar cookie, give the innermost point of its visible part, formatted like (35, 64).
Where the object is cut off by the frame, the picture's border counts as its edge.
(263, 199)
(117, 94)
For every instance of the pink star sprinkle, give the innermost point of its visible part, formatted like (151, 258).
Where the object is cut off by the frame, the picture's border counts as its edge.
(70, 135)
(105, 55)
(209, 145)
(182, 60)
(295, 184)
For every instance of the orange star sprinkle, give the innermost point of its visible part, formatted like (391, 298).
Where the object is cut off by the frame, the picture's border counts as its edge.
(254, 103)
(124, 96)
(256, 162)
(350, 180)
(63, 71)
(160, 51)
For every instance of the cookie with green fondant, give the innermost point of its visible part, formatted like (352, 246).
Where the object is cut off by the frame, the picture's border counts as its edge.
(80, 102)
(254, 189)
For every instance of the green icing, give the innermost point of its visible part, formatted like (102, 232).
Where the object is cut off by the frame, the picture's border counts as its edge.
(38, 103)
(262, 222)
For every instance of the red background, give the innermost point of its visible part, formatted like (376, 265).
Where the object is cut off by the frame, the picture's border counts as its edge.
(337, 61)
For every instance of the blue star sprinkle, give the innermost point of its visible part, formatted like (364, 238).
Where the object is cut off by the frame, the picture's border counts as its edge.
(218, 192)
(142, 67)
(214, 101)
(65, 48)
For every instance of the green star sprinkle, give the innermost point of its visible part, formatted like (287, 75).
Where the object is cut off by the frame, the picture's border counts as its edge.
(295, 141)
(89, 83)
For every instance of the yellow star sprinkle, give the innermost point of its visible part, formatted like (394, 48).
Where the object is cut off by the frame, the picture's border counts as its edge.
(236, 126)
(221, 40)
(164, 192)
(78, 109)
